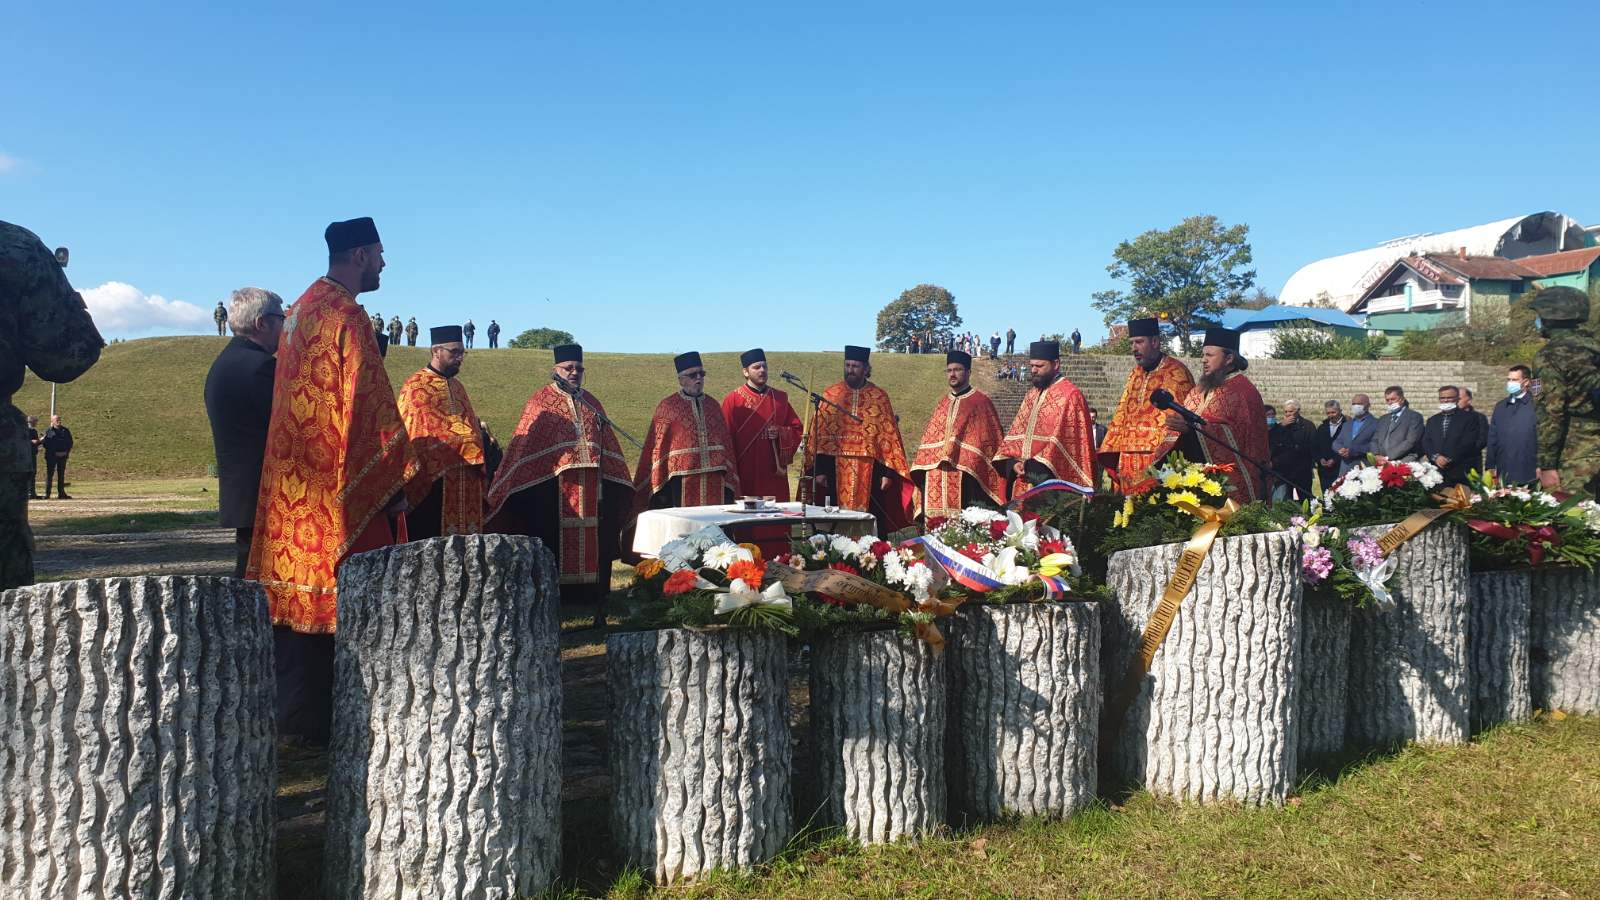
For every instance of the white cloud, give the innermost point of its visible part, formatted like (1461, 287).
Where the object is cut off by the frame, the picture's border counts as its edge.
(8, 163)
(120, 307)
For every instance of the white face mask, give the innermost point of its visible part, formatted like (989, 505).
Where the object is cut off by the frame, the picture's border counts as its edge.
(1446, 407)
(1513, 387)
(1358, 409)
(1394, 407)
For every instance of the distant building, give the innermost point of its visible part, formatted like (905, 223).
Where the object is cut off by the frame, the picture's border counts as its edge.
(1259, 328)
(1341, 281)
(1574, 268)
(1433, 289)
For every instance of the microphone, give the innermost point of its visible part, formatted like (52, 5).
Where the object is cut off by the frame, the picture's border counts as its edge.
(790, 377)
(562, 383)
(1162, 399)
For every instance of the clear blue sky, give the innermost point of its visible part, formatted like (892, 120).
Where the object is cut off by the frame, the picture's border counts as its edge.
(669, 176)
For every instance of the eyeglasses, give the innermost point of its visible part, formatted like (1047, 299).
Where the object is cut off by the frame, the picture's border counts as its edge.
(700, 374)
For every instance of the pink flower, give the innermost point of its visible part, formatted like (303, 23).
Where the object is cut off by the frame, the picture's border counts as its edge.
(1316, 564)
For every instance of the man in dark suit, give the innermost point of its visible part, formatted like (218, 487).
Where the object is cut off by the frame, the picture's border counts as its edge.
(1099, 430)
(239, 405)
(1333, 423)
(1452, 437)
(57, 444)
(1355, 440)
(1400, 432)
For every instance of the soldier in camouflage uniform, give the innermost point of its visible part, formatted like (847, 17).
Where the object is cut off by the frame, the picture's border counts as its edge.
(44, 326)
(411, 332)
(1568, 372)
(394, 331)
(377, 323)
(220, 316)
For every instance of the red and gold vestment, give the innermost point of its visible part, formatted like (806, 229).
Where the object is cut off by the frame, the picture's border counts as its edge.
(762, 461)
(1052, 428)
(560, 438)
(1235, 413)
(688, 440)
(961, 439)
(857, 447)
(444, 433)
(1138, 429)
(336, 455)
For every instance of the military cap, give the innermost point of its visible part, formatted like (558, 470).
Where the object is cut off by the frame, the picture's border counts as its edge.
(1561, 304)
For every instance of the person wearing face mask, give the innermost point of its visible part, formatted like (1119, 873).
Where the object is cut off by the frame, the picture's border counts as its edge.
(1354, 441)
(1513, 438)
(1451, 438)
(1399, 435)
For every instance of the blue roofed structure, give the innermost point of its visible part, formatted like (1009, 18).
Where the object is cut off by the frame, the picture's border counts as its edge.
(1259, 328)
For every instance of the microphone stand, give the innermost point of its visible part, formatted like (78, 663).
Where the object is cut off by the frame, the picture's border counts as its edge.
(577, 394)
(816, 410)
(1265, 467)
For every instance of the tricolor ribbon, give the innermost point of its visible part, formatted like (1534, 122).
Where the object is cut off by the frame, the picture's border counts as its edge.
(1045, 487)
(963, 570)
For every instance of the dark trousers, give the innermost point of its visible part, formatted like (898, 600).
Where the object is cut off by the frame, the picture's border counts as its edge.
(55, 467)
(494, 341)
(304, 663)
(241, 549)
(33, 476)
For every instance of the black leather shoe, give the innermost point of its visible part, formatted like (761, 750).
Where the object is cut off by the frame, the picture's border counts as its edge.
(63, 497)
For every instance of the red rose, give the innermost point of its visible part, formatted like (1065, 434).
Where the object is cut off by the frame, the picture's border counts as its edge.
(997, 529)
(881, 549)
(680, 582)
(972, 552)
(937, 522)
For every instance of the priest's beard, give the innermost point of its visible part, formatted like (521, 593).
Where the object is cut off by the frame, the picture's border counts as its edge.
(855, 383)
(1210, 381)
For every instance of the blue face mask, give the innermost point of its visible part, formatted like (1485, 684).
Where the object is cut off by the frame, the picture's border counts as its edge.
(1271, 421)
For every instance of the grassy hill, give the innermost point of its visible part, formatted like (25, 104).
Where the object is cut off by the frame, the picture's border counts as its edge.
(140, 412)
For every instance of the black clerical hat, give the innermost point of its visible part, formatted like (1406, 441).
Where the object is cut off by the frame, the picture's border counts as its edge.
(685, 361)
(350, 234)
(568, 353)
(859, 354)
(1226, 338)
(1144, 328)
(750, 357)
(1044, 350)
(445, 334)
(957, 356)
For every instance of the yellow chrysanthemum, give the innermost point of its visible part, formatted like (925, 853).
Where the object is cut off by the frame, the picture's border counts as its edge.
(1211, 487)
(1183, 497)
(1171, 480)
(1192, 478)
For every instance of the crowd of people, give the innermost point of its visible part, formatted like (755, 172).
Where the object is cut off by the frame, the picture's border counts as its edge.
(974, 344)
(392, 333)
(319, 457)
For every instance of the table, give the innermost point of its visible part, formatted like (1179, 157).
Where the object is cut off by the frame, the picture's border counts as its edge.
(658, 526)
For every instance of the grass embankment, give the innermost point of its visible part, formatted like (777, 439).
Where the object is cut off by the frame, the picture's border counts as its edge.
(140, 412)
(1516, 813)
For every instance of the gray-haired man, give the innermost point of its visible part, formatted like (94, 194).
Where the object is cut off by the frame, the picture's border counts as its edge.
(239, 405)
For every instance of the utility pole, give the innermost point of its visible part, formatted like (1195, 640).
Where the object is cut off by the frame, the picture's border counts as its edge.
(62, 255)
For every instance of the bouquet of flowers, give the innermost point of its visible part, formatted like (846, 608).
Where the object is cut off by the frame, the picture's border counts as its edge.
(706, 580)
(999, 557)
(1157, 510)
(1352, 568)
(1513, 527)
(1371, 494)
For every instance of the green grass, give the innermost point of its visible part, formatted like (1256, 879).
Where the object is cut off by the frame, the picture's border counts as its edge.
(140, 412)
(1516, 813)
(129, 523)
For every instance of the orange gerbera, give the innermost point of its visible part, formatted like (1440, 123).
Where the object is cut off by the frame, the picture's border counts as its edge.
(648, 568)
(680, 582)
(750, 572)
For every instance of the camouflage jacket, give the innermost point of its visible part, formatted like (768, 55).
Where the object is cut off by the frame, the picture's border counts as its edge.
(43, 326)
(1568, 370)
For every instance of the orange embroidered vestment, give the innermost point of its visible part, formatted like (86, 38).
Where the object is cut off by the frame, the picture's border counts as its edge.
(1233, 412)
(688, 440)
(560, 438)
(762, 461)
(336, 455)
(857, 447)
(444, 433)
(1138, 429)
(961, 439)
(1052, 428)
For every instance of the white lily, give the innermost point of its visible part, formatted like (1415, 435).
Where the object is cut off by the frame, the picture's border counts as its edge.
(1375, 579)
(1003, 565)
(1021, 534)
(740, 595)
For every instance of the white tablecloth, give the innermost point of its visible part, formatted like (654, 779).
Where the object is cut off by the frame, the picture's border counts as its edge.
(658, 526)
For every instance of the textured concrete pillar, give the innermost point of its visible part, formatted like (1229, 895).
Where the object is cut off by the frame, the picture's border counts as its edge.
(1216, 719)
(1024, 710)
(446, 755)
(1408, 665)
(137, 716)
(700, 755)
(878, 718)
(1498, 643)
(1564, 661)
(1324, 674)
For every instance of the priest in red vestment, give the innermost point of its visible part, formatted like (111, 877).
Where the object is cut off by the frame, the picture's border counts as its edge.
(855, 450)
(1233, 412)
(445, 433)
(954, 465)
(1138, 428)
(335, 470)
(687, 458)
(563, 479)
(1051, 436)
(766, 434)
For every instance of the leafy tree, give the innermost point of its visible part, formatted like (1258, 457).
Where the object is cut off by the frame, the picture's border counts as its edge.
(927, 311)
(1189, 272)
(1308, 343)
(541, 339)
(1259, 299)
(1121, 346)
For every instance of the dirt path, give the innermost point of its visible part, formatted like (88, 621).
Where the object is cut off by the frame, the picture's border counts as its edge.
(196, 551)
